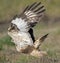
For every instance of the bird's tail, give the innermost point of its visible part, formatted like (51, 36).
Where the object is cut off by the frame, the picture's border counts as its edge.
(39, 41)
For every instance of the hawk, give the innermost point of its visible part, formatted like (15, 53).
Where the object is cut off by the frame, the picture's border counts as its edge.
(21, 30)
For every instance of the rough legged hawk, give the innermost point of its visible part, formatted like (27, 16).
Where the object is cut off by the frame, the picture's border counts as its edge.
(21, 30)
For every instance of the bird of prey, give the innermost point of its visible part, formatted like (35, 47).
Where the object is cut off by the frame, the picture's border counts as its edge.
(21, 30)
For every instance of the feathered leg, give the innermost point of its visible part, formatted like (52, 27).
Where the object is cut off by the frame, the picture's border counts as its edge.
(35, 52)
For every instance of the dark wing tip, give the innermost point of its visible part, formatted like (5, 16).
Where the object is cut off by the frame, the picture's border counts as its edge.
(41, 11)
(44, 37)
(39, 8)
(26, 8)
(31, 5)
(36, 5)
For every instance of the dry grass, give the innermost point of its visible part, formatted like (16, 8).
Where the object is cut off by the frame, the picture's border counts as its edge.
(8, 54)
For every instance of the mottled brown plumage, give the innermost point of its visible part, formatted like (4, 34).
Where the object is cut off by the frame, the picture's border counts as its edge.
(21, 30)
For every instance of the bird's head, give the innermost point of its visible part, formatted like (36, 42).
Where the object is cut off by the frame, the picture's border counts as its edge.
(13, 28)
(14, 25)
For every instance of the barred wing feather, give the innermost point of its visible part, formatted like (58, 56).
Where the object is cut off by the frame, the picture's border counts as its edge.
(29, 17)
(33, 13)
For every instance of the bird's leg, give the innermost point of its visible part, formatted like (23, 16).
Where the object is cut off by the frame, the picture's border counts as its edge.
(35, 52)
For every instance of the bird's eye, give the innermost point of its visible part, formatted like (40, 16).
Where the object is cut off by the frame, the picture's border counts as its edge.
(14, 27)
(12, 24)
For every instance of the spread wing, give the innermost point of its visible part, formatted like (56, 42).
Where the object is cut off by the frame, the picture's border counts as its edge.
(33, 13)
(29, 17)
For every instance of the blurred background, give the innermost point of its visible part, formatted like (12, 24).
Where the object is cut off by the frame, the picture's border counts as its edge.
(49, 24)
